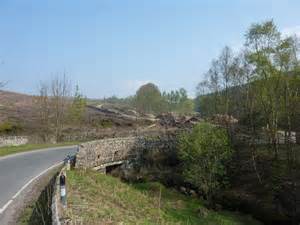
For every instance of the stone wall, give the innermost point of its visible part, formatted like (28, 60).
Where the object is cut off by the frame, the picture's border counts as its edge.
(13, 140)
(97, 153)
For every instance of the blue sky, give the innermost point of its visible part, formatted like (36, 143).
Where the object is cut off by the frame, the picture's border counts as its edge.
(110, 47)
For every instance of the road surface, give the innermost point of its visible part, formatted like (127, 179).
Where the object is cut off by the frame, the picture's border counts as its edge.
(17, 170)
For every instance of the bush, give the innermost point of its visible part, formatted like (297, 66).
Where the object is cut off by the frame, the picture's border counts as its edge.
(9, 128)
(204, 154)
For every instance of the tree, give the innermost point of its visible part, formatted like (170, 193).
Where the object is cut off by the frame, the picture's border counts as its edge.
(77, 109)
(219, 80)
(262, 43)
(187, 106)
(52, 106)
(148, 99)
(204, 153)
(44, 111)
(60, 102)
(178, 101)
(262, 91)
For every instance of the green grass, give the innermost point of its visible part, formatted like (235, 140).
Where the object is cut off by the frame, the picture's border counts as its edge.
(26, 215)
(94, 198)
(29, 147)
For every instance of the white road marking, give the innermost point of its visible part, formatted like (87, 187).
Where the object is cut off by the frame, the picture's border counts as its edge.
(37, 151)
(26, 185)
(5, 206)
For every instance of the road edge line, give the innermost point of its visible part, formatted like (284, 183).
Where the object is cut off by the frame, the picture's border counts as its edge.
(37, 151)
(2, 210)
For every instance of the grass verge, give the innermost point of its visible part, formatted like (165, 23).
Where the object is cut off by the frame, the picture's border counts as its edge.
(29, 147)
(94, 198)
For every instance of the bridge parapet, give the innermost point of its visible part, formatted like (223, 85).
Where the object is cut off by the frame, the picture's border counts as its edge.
(96, 153)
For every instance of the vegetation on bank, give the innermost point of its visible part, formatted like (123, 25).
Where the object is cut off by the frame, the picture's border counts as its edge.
(259, 88)
(205, 153)
(94, 198)
(8, 150)
(37, 210)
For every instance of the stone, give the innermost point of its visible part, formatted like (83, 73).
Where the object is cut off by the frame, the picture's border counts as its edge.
(203, 212)
(96, 153)
(193, 193)
(13, 140)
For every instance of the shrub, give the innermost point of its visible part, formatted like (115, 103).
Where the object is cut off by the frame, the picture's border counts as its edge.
(204, 154)
(9, 128)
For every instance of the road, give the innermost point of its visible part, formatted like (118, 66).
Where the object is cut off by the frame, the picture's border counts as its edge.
(17, 170)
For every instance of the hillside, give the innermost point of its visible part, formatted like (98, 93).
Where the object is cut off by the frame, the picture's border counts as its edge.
(15, 106)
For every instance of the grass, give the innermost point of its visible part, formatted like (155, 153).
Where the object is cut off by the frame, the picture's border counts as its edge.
(38, 202)
(8, 150)
(26, 215)
(95, 198)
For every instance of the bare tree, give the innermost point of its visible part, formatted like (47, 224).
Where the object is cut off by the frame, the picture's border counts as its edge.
(44, 111)
(60, 93)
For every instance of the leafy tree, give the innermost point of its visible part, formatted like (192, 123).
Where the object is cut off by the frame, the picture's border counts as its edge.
(204, 153)
(77, 109)
(178, 101)
(262, 41)
(148, 99)
(186, 106)
(219, 80)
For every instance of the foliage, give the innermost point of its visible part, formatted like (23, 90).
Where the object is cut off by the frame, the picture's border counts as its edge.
(10, 128)
(186, 107)
(148, 99)
(204, 153)
(260, 86)
(178, 101)
(77, 109)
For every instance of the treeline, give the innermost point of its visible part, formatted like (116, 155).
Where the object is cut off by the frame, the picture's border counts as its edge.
(260, 87)
(149, 99)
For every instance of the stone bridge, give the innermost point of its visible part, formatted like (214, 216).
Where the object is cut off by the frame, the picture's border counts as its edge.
(113, 151)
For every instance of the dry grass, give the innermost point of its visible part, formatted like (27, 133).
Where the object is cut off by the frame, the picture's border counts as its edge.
(96, 199)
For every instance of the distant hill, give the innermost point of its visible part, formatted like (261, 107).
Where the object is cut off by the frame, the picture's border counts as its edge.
(16, 106)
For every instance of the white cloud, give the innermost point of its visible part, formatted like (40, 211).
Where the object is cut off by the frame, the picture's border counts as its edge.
(290, 31)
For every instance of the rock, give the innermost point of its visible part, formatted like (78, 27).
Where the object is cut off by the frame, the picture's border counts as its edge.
(203, 212)
(193, 193)
(183, 190)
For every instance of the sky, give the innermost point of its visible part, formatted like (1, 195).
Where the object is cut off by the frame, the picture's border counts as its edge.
(111, 47)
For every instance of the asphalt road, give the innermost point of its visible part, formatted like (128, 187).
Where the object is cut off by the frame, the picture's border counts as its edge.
(17, 170)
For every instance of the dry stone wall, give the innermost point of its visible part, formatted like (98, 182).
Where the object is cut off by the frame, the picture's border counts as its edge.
(97, 153)
(13, 140)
